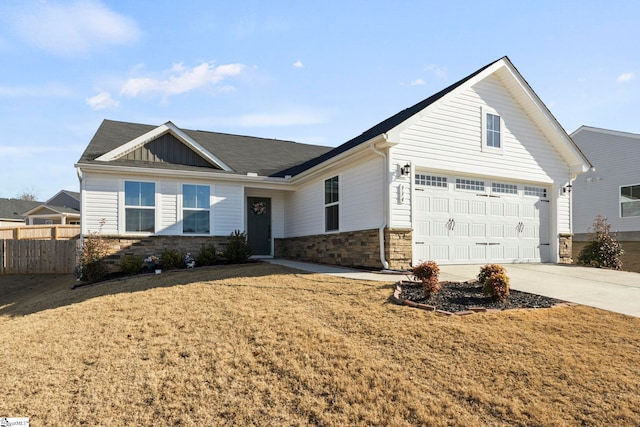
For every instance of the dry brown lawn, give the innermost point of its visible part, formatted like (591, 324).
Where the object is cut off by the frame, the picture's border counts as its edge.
(630, 258)
(265, 345)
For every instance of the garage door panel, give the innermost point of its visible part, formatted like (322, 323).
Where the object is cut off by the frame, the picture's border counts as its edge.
(478, 230)
(511, 209)
(462, 252)
(440, 229)
(461, 229)
(478, 253)
(497, 209)
(440, 252)
(529, 212)
(461, 207)
(497, 231)
(478, 207)
(423, 204)
(511, 253)
(440, 204)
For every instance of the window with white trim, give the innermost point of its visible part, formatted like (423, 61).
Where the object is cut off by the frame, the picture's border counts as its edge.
(140, 206)
(498, 187)
(431, 180)
(630, 200)
(535, 191)
(493, 138)
(196, 205)
(469, 184)
(332, 204)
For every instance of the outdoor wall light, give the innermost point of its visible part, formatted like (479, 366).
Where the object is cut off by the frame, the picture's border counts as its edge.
(405, 170)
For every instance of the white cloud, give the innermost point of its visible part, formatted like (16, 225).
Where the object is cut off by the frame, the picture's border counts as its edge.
(437, 70)
(75, 27)
(102, 101)
(625, 77)
(298, 64)
(417, 82)
(180, 79)
(50, 90)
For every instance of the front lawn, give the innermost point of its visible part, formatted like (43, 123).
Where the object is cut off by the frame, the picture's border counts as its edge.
(265, 345)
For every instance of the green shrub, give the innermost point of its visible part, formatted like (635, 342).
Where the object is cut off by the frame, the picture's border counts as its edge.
(207, 255)
(171, 259)
(427, 272)
(603, 250)
(495, 282)
(131, 264)
(94, 250)
(237, 250)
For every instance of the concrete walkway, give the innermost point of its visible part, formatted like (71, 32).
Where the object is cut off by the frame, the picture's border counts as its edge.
(617, 291)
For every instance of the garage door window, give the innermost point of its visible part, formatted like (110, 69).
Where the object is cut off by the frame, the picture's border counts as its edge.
(535, 192)
(431, 180)
(630, 200)
(469, 184)
(497, 187)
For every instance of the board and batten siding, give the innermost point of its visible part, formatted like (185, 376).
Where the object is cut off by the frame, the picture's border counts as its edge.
(614, 156)
(103, 199)
(360, 200)
(447, 137)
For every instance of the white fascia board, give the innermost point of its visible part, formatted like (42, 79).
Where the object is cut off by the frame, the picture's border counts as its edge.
(31, 212)
(156, 133)
(253, 181)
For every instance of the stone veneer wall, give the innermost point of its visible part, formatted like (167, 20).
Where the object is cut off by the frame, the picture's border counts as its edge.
(566, 248)
(144, 247)
(349, 249)
(398, 248)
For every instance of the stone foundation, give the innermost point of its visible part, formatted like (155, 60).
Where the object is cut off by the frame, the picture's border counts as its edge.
(350, 249)
(398, 248)
(566, 248)
(144, 247)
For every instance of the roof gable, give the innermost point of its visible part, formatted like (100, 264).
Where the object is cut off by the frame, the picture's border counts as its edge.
(155, 146)
(515, 83)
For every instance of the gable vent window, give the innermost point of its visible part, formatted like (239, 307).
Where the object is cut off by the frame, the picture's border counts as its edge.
(195, 208)
(497, 187)
(431, 180)
(469, 184)
(140, 206)
(331, 204)
(535, 192)
(630, 200)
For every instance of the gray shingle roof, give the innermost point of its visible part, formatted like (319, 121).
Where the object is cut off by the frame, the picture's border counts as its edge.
(243, 154)
(14, 208)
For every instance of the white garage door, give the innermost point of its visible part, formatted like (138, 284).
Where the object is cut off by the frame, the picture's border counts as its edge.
(467, 220)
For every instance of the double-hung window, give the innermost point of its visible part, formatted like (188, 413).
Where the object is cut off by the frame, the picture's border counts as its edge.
(491, 130)
(331, 204)
(195, 208)
(630, 200)
(140, 206)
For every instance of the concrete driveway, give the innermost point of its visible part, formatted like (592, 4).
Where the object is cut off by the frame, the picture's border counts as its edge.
(617, 291)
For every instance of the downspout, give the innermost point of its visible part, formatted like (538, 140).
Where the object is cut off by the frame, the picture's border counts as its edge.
(385, 201)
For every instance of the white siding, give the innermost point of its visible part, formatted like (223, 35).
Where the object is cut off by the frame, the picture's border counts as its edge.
(614, 156)
(228, 208)
(100, 202)
(360, 200)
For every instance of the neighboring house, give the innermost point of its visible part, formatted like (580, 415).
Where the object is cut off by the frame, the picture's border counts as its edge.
(12, 210)
(612, 188)
(63, 208)
(476, 173)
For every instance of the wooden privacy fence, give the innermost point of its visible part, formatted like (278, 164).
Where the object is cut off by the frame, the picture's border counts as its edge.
(38, 256)
(27, 232)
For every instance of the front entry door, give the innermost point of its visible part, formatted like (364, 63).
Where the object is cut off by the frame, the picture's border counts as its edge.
(259, 225)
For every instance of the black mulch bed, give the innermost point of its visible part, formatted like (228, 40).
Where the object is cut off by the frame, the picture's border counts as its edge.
(461, 296)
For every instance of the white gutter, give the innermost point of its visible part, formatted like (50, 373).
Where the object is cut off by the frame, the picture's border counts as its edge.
(385, 202)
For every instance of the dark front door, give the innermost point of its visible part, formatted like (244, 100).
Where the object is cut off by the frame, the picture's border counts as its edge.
(259, 225)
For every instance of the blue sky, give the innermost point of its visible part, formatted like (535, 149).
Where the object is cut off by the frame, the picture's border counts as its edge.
(314, 72)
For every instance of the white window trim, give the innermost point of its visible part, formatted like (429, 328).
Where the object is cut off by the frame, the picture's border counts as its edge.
(516, 194)
(326, 205)
(620, 201)
(483, 118)
(181, 209)
(122, 207)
